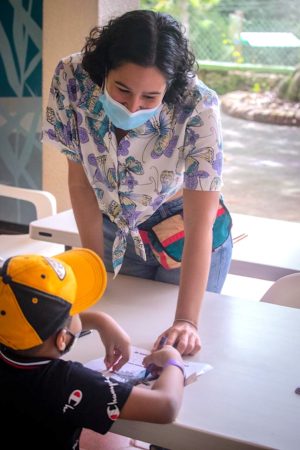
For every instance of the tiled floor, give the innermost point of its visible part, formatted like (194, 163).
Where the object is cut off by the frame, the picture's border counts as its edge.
(261, 168)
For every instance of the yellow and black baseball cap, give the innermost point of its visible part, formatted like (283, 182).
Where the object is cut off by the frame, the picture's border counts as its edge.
(38, 293)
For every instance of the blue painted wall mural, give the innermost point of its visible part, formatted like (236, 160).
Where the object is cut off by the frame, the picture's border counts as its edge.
(20, 96)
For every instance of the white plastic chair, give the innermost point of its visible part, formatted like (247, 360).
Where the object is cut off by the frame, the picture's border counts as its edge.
(285, 291)
(20, 244)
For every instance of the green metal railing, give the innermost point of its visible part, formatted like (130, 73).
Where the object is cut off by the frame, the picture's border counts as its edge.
(219, 66)
(214, 29)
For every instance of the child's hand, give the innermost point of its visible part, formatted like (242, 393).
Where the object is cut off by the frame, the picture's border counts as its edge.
(157, 359)
(116, 342)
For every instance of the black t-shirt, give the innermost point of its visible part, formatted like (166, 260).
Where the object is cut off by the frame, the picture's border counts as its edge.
(48, 402)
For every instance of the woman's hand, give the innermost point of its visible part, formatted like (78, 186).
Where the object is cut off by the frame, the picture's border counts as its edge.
(183, 336)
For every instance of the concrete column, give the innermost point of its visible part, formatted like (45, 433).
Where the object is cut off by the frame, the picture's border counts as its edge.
(66, 23)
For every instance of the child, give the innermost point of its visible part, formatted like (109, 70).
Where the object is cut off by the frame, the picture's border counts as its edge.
(48, 400)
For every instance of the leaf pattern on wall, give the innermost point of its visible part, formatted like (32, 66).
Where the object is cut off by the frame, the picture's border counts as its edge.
(20, 95)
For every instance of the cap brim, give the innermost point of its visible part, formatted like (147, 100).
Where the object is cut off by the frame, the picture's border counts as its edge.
(90, 274)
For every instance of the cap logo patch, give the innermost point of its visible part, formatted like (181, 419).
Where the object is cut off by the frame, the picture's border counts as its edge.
(58, 268)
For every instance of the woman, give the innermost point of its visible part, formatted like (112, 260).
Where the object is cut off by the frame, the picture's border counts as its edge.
(143, 139)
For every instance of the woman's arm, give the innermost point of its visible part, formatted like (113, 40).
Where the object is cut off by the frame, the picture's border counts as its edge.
(200, 209)
(86, 210)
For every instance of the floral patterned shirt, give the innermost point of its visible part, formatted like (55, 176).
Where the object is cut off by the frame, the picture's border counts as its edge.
(180, 147)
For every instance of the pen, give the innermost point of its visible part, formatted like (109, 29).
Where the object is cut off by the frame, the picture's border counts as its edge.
(239, 238)
(151, 367)
(85, 332)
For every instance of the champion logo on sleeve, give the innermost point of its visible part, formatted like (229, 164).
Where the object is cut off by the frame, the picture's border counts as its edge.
(112, 409)
(74, 400)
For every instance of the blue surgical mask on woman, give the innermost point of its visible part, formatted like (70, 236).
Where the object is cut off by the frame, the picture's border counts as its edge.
(121, 117)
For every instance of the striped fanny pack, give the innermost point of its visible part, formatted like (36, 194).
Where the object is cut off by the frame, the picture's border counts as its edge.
(166, 238)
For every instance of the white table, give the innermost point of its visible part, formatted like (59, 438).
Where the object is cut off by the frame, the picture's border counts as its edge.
(247, 400)
(270, 250)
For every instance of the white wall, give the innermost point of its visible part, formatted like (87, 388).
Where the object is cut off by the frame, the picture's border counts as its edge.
(66, 23)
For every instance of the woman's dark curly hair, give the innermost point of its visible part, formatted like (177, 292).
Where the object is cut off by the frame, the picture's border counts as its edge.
(145, 38)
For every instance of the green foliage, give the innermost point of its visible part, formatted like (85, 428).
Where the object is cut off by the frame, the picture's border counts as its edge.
(289, 87)
(211, 27)
(175, 6)
(208, 36)
(233, 80)
(256, 88)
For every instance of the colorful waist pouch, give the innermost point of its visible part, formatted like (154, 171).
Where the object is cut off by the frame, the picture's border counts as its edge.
(166, 238)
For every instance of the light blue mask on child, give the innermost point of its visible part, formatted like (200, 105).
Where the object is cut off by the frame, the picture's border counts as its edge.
(121, 117)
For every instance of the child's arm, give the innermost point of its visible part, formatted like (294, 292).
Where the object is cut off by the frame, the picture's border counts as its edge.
(115, 340)
(161, 403)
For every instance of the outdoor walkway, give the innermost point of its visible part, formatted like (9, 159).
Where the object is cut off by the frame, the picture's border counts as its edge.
(261, 168)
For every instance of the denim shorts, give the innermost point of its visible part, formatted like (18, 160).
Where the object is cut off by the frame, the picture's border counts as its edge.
(150, 269)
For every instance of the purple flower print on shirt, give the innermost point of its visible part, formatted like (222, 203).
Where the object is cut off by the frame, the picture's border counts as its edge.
(210, 100)
(129, 181)
(191, 137)
(171, 147)
(101, 148)
(123, 148)
(59, 97)
(98, 128)
(104, 174)
(59, 66)
(93, 162)
(92, 159)
(126, 171)
(65, 133)
(157, 201)
(131, 215)
(79, 118)
(218, 163)
(192, 173)
(163, 131)
(51, 135)
(83, 136)
(72, 89)
(128, 208)
(82, 133)
(203, 174)
(188, 107)
(191, 179)
(184, 114)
